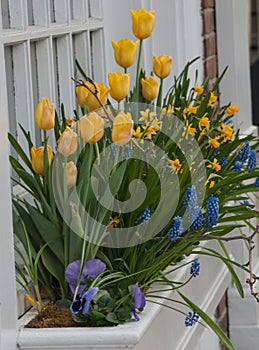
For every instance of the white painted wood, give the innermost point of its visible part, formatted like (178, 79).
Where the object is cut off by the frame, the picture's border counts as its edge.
(62, 11)
(18, 13)
(41, 14)
(233, 51)
(158, 328)
(23, 90)
(78, 10)
(7, 273)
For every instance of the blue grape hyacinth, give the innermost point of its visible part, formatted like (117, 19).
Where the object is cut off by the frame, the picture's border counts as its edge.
(192, 318)
(212, 212)
(176, 230)
(251, 164)
(144, 217)
(195, 268)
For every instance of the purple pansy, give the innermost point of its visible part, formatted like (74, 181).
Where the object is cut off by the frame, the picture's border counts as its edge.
(83, 304)
(92, 268)
(139, 300)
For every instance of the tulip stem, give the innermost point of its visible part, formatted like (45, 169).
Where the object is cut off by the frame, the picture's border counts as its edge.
(160, 93)
(138, 69)
(95, 93)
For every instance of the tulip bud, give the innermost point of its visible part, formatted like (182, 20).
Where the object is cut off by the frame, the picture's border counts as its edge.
(150, 87)
(119, 85)
(142, 23)
(91, 100)
(162, 66)
(122, 128)
(81, 94)
(37, 158)
(67, 143)
(45, 114)
(91, 127)
(71, 174)
(125, 52)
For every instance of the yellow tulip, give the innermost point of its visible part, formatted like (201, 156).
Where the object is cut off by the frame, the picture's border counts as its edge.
(67, 143)
(162, 66)
(71, 174)
(81, 94)
(122, 128)
(125, 52)
(45, 114)
(37, 158)
(119, 85)
(143, 22)
(150, 87)
(91, 127)
(91, 100)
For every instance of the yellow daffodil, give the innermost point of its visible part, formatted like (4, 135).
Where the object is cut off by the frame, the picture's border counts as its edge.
(119, 85)
(188, 130)
(162, 66)
(113, 222)
(45, 114)
(122, 128)
(175, 165)
(67, 143)
(91, 127)
(214, 165)
(231, 110)
(143, 22)
(212, 100)
(204, 122)
(37, 158)
(214, 142)
(125, 52)
(192, 110)
(71, 174)
(212, 184)
(227, 131)
(198, 89)
(138, 133)
(150, 87)
(146, 116)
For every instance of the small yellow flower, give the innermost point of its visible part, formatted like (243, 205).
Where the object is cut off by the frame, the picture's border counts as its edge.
(214, 165)
(231, 110)
(203, 211)
(212, 184)
(175, 165)
(212, 100)
(188, 129)
(137, 133)
(227, 131)
(146, 116)
(192, 109)
(168, 110)
(214, 142)
(113, 222)
(204, 122)
(198, 89)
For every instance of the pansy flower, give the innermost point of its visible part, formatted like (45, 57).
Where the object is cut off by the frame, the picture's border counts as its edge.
(139, 300)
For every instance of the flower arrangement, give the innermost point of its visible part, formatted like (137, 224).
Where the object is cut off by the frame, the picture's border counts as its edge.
(130, 189)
